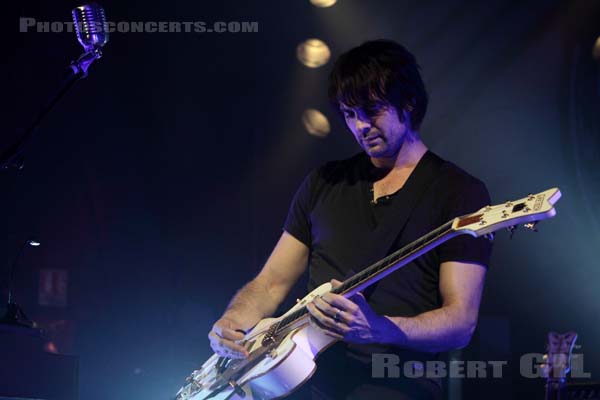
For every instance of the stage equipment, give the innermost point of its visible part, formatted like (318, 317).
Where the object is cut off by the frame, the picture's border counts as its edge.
(92, 33)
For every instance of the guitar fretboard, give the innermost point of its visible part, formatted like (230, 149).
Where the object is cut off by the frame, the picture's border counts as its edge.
(378, 270)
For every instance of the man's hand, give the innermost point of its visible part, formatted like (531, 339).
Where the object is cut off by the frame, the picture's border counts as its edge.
(224, 338)
(352, 320)
(260, 297)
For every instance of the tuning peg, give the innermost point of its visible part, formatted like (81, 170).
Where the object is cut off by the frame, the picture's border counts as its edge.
(489, 236)
(511, 229)
(531, 226)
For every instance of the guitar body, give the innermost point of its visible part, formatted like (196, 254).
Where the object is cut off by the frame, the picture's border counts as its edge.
(273, 373)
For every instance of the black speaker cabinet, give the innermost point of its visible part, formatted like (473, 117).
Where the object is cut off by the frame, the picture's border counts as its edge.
(27, 372)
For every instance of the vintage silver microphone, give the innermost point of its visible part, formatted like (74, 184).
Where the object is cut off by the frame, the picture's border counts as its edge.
(92, 32)
(91, 27)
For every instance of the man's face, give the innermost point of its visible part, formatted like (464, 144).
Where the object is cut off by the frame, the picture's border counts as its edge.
(379, 132)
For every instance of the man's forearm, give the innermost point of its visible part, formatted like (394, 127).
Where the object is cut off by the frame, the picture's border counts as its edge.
(250, 304)
(438, 330)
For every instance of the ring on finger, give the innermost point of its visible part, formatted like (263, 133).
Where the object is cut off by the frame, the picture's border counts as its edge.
(336, 317)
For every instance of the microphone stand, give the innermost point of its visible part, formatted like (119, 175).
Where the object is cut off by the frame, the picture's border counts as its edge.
(92, 33)
(13, 157)
(14, 314)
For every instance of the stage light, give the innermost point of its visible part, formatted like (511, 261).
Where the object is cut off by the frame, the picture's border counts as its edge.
(596, 50)
(50, 347)
(315, 122)
(323, 3)
(313, 53)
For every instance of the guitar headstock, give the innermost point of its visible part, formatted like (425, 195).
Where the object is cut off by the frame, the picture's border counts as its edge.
(557, 362)
(528, 211)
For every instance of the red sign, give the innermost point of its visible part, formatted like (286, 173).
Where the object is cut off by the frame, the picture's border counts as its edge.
(53, 287)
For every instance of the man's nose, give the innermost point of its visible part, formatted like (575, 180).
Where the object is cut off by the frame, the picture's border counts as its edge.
(363, 126)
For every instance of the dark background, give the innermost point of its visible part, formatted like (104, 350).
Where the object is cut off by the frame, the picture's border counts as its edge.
(161, 182)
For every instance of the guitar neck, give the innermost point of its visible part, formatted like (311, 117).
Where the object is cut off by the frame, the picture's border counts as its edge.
(396, 260)
(528, 210)
(380, 269)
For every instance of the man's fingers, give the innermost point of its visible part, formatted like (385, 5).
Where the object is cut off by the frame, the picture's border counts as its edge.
(229, 334)
(231, 346)
(320, 315)
(325, 307)
(225, 351)
(325, 321)
(232, 354)
(226, 348)
(335, 314)
(229, 353)
(325, 329)
(335, 283)
(339, 301)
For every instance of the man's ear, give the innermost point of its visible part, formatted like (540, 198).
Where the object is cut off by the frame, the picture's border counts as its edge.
(405, 118)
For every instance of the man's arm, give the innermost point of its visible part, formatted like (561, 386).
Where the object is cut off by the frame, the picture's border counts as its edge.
(442, 329)
(452, 325)
(260, 297)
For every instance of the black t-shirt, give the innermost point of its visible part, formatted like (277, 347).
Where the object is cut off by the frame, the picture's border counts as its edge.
(333, 213)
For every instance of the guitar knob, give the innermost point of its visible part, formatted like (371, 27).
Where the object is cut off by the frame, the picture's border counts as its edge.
(531, 226)
(511, 229)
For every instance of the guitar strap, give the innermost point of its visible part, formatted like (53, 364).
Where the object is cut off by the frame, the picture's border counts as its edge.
(406, 200)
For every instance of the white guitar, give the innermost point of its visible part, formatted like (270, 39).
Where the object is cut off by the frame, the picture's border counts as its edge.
(282, 350)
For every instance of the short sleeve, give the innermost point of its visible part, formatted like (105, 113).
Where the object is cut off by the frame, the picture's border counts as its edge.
(298, 222)
(467, 197)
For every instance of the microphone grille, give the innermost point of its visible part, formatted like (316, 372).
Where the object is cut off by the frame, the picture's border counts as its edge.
(91, 26)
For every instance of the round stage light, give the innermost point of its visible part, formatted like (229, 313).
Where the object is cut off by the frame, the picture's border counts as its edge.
(323, 3)
(313, 53)
(315, 122)
(596, 50)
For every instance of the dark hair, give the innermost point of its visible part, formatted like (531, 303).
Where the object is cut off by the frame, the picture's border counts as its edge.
(379, 72)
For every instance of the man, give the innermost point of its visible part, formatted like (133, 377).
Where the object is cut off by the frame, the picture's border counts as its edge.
(348, 214)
